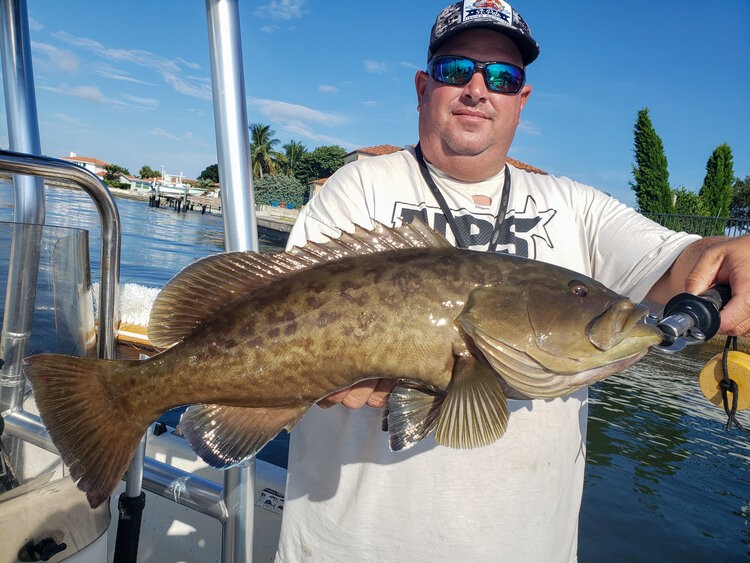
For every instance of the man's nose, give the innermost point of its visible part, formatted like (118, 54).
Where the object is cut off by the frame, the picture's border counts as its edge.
(476, 88)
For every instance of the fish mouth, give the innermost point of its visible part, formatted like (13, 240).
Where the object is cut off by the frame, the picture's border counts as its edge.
(620, 335)
(616, 324)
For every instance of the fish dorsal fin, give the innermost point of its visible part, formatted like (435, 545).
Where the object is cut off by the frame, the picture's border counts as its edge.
(225, 436)
(214, 282)
(475, 410)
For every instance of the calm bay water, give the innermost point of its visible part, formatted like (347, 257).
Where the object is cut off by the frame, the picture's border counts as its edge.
(664, 481)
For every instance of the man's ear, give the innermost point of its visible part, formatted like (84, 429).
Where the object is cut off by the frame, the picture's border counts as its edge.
(420, 83)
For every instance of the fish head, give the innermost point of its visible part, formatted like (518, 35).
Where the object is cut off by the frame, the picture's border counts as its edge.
(552, 334)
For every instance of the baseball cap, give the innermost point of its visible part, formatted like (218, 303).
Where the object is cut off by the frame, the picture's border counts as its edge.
(488, 14)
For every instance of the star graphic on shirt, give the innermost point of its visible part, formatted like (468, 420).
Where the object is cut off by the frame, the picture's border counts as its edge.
(532, 223)
(524, 228)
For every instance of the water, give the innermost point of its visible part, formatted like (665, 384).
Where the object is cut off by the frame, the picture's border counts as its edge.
(664, 481)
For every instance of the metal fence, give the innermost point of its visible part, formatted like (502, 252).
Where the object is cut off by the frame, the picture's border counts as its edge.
(704, 226)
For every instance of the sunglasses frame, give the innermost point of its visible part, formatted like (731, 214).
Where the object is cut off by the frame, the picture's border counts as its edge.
(479, 66)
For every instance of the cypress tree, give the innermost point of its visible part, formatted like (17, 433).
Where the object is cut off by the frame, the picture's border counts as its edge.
(651, 183)
(716, 191)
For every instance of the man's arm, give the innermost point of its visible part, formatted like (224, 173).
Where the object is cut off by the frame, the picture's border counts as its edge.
(707, 262)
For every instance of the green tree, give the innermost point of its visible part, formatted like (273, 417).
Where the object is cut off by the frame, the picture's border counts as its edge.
(651, 183)
(211, 172)
(294, 151)
(740, 206)
(112, 174)
(716, 191)
(688, 203)
(205, 183)
(264, 157)
(320, 163)
(147, 172)
(279, 188)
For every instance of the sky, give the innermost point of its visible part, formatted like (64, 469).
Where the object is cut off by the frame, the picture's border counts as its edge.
(130, 82)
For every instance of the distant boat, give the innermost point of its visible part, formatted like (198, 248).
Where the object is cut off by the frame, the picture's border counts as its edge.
(174, 187)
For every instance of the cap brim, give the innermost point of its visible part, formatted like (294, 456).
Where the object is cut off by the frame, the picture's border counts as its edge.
(527, 47)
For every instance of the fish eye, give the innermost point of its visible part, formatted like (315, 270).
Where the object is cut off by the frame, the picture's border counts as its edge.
(578, 288)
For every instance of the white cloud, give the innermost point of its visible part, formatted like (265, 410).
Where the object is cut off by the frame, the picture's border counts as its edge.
(187, 137)
(529, 128)
(269, 28)
(411, 66)
(170, 70)
(71, 121)
(199, 88)
(89, 93)
(327, 89)
(296, 130)
(149, 103)
(188, 64)
(375, 66)
(368, 103)
(109, 71)
(281, 9)
(35, 25)
(280, 111)
(94, 94)
(62, 59)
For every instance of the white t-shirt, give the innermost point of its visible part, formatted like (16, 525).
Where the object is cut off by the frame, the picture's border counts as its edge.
(349, 498)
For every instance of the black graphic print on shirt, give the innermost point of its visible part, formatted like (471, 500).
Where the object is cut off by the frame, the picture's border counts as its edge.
(519, 233)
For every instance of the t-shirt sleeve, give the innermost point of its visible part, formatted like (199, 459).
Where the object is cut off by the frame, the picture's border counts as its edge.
(628, 252)
(338, 206)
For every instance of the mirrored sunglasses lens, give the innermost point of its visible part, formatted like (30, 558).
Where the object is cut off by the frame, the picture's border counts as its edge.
(504, 78)
(453, 71)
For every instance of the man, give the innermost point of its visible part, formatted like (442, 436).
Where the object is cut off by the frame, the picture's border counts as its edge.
(351, 499)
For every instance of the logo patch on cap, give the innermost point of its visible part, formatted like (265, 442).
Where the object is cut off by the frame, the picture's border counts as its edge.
(486, 9)
(496, 15)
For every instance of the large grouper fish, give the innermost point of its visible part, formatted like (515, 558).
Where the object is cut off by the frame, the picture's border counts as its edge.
(254, 340)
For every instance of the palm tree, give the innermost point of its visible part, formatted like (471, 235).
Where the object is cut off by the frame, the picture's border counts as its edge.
(294, 151)
(262, 153)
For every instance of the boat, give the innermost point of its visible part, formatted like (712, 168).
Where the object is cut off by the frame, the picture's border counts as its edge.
(171, 506)
(174, 187)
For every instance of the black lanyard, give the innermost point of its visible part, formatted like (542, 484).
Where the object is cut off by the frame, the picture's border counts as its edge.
(460, 243)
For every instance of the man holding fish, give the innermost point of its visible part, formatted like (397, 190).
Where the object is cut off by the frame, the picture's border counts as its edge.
(467, 299)
(349, 498)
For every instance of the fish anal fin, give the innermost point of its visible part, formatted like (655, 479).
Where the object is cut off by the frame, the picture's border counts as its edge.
(224, 436)
(411, 415)
(475, 410)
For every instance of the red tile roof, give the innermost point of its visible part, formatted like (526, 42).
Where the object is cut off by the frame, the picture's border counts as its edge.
(524, 166)
(388, 149)
(377, 150)
(86, 159)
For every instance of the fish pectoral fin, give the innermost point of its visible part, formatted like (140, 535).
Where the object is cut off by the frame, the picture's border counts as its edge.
(411, 415)
(475, 410)
(225, 436)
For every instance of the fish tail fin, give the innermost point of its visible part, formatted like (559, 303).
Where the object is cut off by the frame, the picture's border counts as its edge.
(471, 413)
(95, 438)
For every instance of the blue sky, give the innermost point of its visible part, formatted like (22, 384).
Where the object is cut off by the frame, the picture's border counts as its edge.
(129, 82)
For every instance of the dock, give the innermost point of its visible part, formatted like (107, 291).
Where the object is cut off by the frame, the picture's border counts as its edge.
(186, 202)
(274, 222)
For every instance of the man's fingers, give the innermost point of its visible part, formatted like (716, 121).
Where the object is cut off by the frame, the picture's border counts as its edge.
(372, 392)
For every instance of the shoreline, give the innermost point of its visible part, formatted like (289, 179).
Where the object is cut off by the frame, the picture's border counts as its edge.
(116, 192)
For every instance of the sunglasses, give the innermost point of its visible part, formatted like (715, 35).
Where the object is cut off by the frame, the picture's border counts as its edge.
(504, 78)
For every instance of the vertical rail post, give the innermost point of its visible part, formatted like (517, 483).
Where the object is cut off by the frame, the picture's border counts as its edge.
(240, 228)
(23, 135)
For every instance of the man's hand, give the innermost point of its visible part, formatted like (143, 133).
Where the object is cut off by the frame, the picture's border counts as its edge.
(705, 263)
(372, 392)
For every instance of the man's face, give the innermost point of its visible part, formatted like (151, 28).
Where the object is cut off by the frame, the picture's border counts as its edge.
(469, 120)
